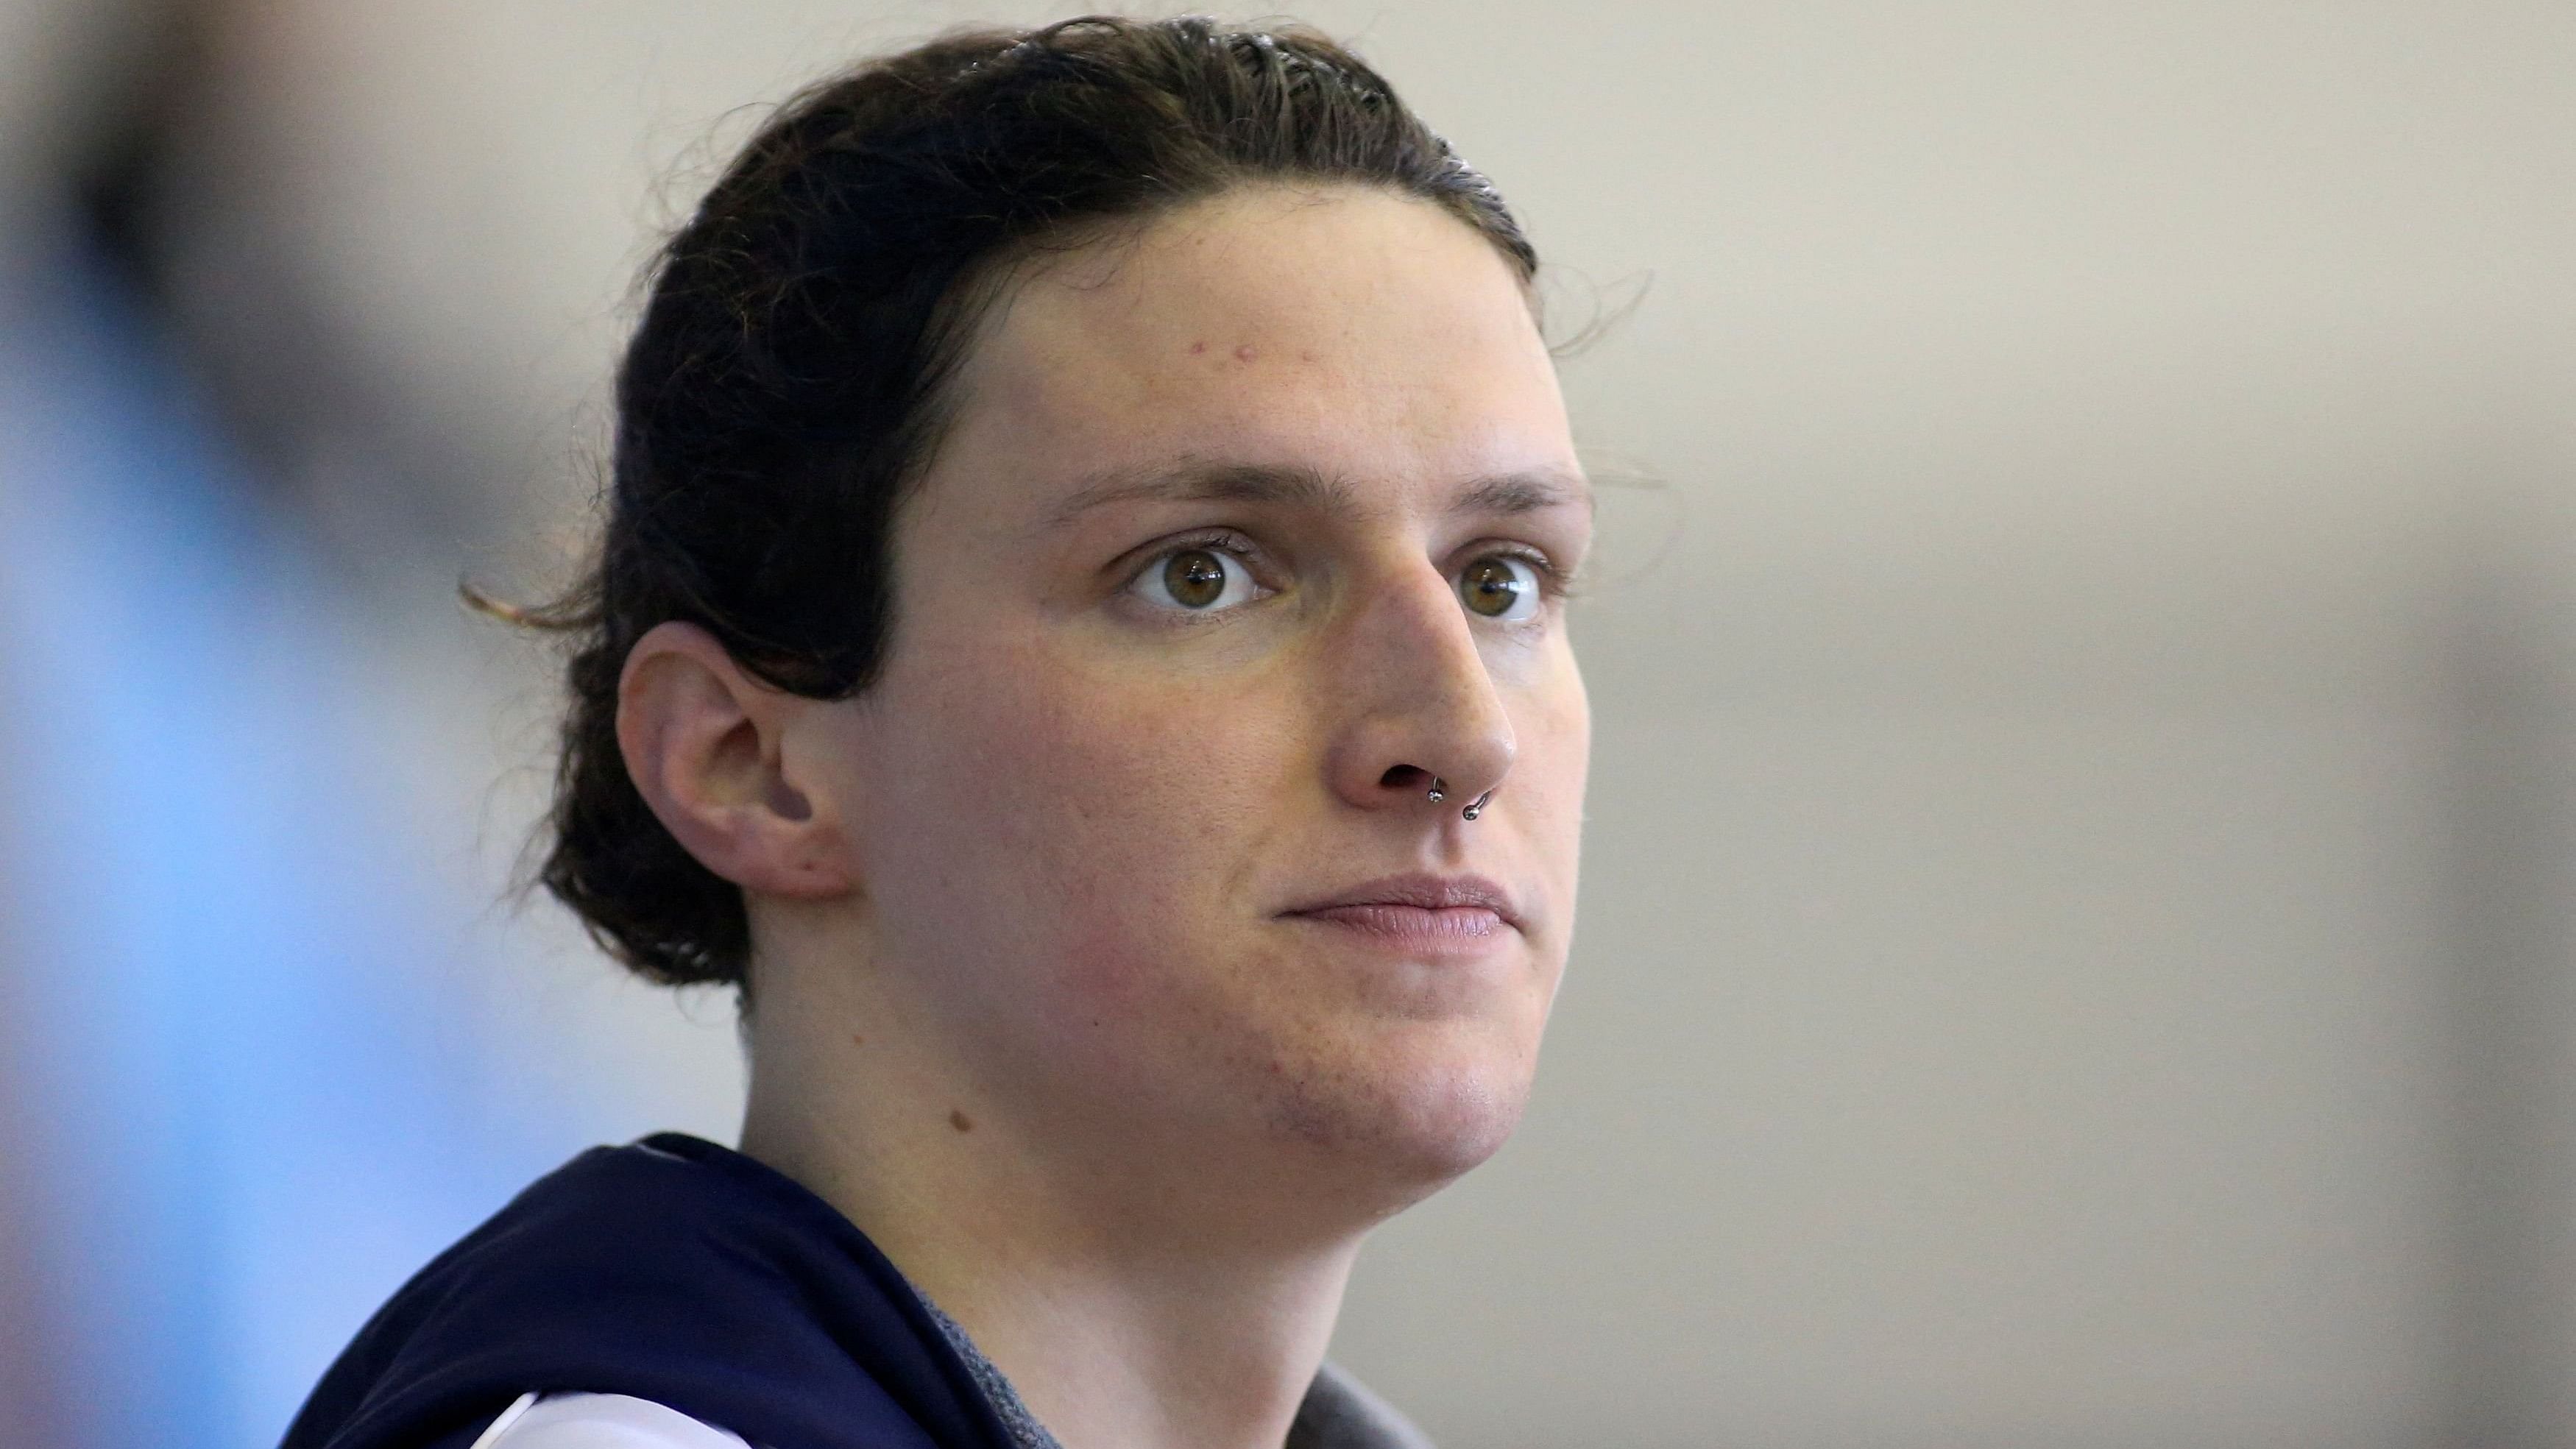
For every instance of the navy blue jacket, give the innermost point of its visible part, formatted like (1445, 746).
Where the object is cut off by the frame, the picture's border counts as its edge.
(673, 1270)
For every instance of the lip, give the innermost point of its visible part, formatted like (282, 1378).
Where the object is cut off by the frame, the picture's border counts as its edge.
(1438, 912)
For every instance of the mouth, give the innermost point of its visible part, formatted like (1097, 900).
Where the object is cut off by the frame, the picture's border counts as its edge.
(1418, 914)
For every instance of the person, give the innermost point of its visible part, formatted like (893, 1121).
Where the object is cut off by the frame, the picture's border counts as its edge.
(1079, 644)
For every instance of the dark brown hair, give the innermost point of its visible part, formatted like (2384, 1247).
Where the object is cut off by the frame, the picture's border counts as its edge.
(784, 385)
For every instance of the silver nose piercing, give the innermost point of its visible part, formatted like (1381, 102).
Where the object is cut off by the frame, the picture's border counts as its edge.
(1440, 791)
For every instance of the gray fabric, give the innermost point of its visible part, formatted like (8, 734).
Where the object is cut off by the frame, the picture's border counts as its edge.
(1338, 1412)
(1026, 1431)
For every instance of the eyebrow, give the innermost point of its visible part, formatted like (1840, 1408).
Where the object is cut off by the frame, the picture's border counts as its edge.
(1190, 482)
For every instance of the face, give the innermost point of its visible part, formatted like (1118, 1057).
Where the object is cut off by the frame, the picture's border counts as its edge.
(1248, 530)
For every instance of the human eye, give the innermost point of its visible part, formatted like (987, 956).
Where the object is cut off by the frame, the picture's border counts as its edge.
(1506, 587)
(1199, 576)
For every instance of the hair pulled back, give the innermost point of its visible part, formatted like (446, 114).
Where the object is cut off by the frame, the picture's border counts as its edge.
(784, 384)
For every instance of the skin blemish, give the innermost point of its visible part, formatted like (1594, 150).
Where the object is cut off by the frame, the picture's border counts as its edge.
(960, 1121)
(857, 1040)
(1245, 353)
(1198, 347)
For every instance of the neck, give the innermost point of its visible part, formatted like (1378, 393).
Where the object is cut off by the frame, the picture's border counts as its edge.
(1129, 1313)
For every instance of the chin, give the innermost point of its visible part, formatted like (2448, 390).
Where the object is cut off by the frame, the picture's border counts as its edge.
(1408, 1116)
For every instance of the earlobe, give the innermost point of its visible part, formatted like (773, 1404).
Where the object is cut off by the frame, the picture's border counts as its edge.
(702, 740)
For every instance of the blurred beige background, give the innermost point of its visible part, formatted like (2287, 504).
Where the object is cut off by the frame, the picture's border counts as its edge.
(2078, 945)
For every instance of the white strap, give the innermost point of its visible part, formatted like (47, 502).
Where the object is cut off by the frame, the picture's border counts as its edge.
(599, 1421)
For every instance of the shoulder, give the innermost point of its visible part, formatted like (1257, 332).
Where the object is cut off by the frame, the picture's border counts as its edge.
(674, 1271)
(599, 1421)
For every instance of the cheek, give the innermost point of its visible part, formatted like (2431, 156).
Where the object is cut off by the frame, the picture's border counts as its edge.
(1153, 839)
(1557, 754)
(1068, 827)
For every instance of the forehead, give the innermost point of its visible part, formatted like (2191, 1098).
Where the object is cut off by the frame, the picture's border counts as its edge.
(1344, 331)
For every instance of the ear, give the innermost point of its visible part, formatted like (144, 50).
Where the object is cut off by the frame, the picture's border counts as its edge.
(703, 743)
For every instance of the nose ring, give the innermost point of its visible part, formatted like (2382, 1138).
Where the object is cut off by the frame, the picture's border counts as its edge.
(1440, 791)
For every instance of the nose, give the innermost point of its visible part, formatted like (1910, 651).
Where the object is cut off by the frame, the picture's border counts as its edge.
(1420, 703)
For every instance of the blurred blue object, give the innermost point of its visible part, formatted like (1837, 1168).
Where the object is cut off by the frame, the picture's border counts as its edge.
(251, 1116)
